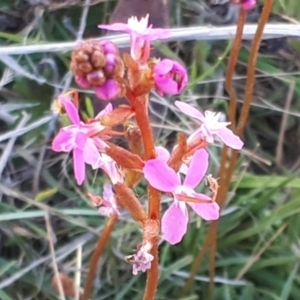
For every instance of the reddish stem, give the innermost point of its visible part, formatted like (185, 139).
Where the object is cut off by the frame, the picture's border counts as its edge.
(225, 179)
(140, 106)
(226, 173)
(152, 276)
(96, 255)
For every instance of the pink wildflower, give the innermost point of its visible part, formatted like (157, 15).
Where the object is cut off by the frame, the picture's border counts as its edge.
(76, 138)
(140, 36)
(109, 203)
(164, 178)
(210, 126)
(170, 77)
(141, 261)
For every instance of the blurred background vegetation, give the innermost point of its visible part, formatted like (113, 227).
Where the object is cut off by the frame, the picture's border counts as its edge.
(259, 233)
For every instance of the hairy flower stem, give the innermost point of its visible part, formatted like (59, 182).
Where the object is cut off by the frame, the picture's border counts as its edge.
(226, 173)
(140, 106)
(142, 119)
(96, 255)
(233, 58)
(152, 276)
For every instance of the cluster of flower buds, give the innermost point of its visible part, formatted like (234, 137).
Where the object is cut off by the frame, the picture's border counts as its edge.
(97, 64)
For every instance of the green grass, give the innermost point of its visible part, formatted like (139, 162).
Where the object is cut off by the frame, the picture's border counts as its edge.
(258, 238)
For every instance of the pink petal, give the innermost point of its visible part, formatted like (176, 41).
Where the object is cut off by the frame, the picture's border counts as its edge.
(71, 110)
(174, 223)
(197, 168)
(160, 175)
(101, 145)
(170, 76)
(196, 136)
(61, 142)
(79, 165)
(108, 109)
(90, 152)
(108, 91)
(82, 82)
(159, 33)
(167, 86)
(248, 4)
(229, 138)
(190, 110)
(163, 67)
(80, 140)
(107, 191)
(209, 211)
(162, 153)
(116, 27)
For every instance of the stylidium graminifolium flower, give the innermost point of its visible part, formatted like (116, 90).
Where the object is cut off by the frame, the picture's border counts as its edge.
(162, 177)
(78, 138)
(140, 36)
(210, 127)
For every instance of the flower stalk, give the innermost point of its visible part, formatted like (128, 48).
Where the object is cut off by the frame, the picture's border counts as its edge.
(98, 65)
(103, 239)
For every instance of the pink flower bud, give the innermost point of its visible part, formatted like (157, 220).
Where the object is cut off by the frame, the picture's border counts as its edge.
(109, 90)
(248, 4)
(82, 82)
(109, 47)
(170, 77)
(98, 65)
(245, 4)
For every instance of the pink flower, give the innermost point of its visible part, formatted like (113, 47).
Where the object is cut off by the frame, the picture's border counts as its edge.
(141, 261)
(77, 138)
(109, 166)
(164, 178)
(210, 126)
(140, 36)
(170, 77)
(109, 203)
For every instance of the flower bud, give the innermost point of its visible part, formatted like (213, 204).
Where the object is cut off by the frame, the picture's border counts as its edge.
(170, 77)
(98, 64)
(111, 89)
(245, 4)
